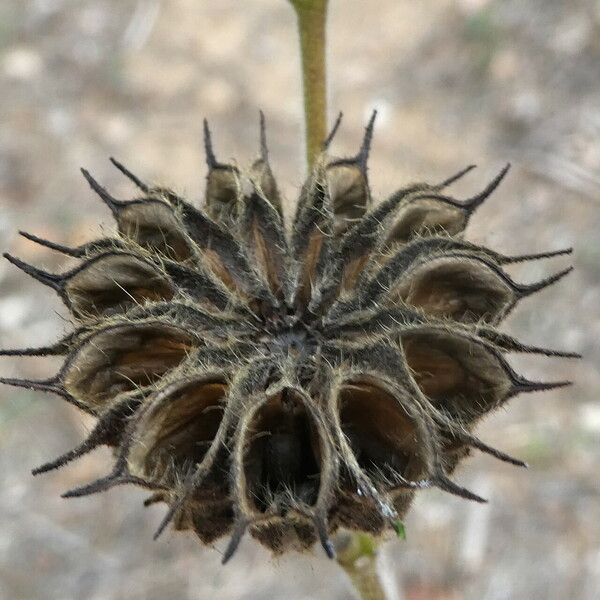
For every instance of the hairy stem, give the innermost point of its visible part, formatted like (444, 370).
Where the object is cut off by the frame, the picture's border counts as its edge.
(357, 555)
(312, 20)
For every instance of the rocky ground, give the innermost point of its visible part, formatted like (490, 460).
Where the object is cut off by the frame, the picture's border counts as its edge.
(456, 82)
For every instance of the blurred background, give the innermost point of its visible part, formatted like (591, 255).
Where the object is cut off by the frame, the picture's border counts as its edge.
(455, 82)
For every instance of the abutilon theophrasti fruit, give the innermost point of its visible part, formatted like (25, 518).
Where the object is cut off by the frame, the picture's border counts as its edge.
(286, 380)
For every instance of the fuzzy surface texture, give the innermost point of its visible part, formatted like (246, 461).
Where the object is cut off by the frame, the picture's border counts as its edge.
(286, 380)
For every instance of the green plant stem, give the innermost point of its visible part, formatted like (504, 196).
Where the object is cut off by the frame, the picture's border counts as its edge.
(357, 555)
(312, 21)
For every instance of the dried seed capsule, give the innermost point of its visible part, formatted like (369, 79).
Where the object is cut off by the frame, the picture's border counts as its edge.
(286, 381)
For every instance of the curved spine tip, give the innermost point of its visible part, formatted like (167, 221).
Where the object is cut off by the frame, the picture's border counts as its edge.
(447, 485)
(176, 506)
(74, 252)
(99, 485)
(507, 260)
(136, 180)
(46, 385)
(49, 279)
(234, 541)
(509, 344)
(475, 442)
(363, 154)
(326, 543)
(549, 352)
(472, 203)
(63, 459)
(97, 437)
(43, 385)
(525, 386)
(332, 133)
(264, 149)
(211, 160)
(532, 288)
(111, 202)
(454, 178)
(43, 351)
(169, 516)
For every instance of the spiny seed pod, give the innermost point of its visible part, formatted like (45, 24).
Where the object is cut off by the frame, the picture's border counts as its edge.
(293, 381)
